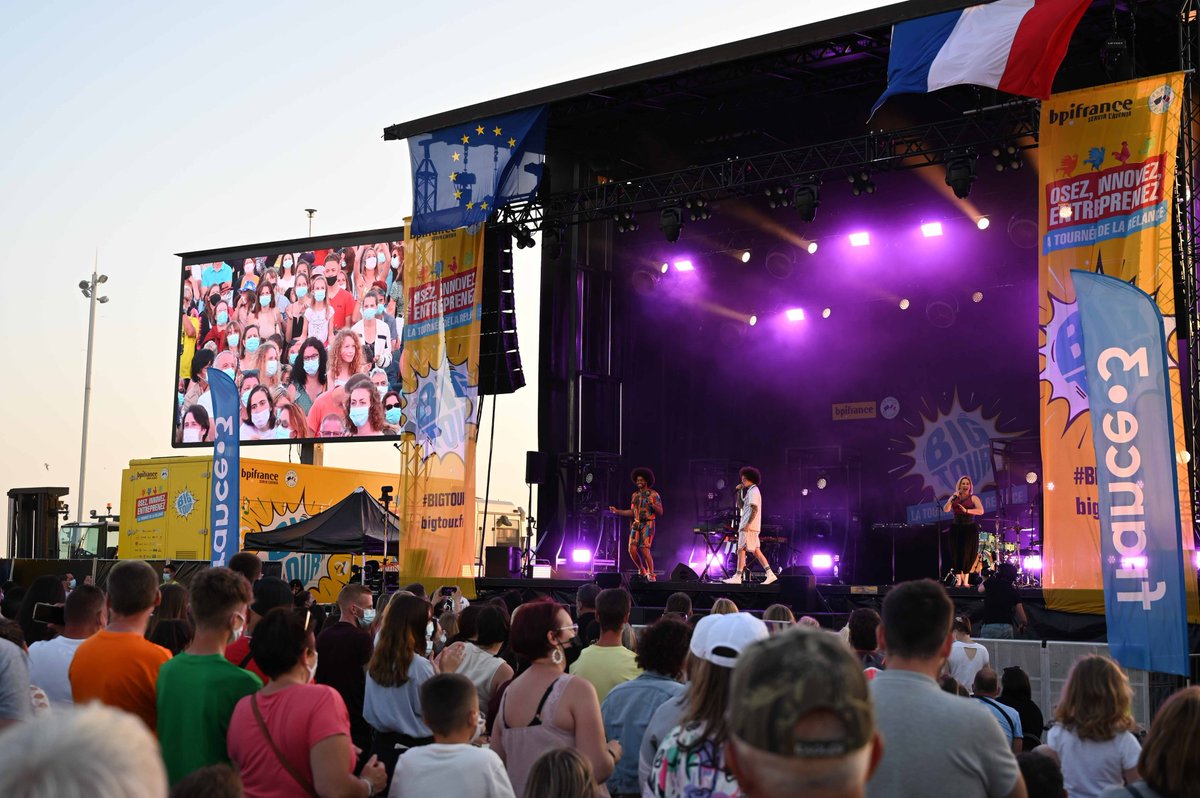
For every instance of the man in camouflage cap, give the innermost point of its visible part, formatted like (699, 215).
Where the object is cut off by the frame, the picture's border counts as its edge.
(800, 719)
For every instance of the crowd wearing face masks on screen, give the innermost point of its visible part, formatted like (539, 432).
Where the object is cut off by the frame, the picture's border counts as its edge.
(236, 684)
(311, 339)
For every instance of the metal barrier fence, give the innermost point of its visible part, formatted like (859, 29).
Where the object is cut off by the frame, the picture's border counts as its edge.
(1049, 661)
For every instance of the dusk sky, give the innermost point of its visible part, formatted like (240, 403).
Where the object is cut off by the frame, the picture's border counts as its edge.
(144, 129)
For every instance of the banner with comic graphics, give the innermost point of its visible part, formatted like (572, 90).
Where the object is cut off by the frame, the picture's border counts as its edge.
(440, 384)
(1107, 158)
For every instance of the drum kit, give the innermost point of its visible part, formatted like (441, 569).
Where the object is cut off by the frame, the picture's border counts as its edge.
(1011, 543)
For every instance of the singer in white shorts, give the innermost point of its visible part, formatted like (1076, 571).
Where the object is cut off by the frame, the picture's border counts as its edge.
(749, 525)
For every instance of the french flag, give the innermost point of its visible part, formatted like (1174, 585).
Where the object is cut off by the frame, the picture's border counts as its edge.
(1015, 46)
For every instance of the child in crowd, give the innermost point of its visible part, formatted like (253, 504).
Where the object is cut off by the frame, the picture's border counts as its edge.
(451, 765)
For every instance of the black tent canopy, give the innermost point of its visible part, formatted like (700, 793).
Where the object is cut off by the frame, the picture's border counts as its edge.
(355, 525)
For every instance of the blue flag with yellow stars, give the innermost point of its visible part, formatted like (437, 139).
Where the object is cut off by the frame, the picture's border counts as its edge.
(463, 173)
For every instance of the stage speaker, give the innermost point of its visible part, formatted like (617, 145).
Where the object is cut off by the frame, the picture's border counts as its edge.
(607, 580)
(536, 465)
(501, 562)
(798, 588)
(273, 568)
(682, 573)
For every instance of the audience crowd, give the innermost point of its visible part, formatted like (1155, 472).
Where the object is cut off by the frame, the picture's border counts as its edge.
(230, 683)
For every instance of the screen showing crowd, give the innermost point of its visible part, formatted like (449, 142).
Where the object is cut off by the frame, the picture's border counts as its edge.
(312, 339)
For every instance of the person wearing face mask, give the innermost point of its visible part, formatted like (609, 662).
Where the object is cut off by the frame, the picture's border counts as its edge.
(546, 708)
(308, 374)
(293, 736)
(290, 421)
(373, 331)
(269, 592)
(370, 268)
(246, 381)
(287, 271)
(364, 410)
(319, 315)
(380, 381)
(345, 309)
(345, 651)
(251, 342)
(189, 330)
(269, 319)
(394, 289)
(250, 275)
(346, 358)
(217, 330)
(398, 668)
(293, 315)
(391, 408)
(198, 689)
(267, 364)
(260, 425)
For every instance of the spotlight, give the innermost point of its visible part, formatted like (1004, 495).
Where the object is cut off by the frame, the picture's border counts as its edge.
(102, 278)
(860, 239)
(1184, 457)
(699, 209)
(626, 223)
(580, 556)
(826, 313)
(523, 236)
(666, 267)
(812, 247)
(804, 491)
(822, 483)
(983, 222)
(904, 304)
(960, 174)
(977, 297)
(752, 320)
(931, 229)
(746, 256)
(1049, 486)
(1031, 477)
(861, 183)
(670, 222)
(794, 314)
(806, 198)
(777, 196)
(684, 266)
(1032, 562)
(822, 562)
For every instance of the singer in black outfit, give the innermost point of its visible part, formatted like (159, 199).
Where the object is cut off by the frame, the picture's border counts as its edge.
(964, 532)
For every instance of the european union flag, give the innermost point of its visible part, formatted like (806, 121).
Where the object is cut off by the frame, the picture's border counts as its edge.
(463, 173)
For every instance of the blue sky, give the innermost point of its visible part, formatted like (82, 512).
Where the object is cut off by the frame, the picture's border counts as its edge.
(143, 129)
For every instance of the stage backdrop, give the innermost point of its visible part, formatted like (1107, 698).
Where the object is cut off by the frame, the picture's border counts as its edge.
(440, 374)
(1107, 159)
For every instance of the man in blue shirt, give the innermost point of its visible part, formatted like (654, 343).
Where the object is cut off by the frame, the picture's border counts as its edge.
(987, 689)
(629, 706)
(219, 274)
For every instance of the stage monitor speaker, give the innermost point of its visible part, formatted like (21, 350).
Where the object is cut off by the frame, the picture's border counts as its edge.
(682, 573)
(273, 568)
(798, 588)
(501, 562)
(536, 465)
(606, 580)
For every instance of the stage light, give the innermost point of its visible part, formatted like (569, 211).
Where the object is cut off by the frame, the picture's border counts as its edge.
(822, 483)
(778, 196)
(684, 266)
(698, 209)
(983, 222)
(860, 239)
(1196, 558)
(666, 267)
(1134, 563)
(804, 491)
(1049, 486)
(794, 314)
(670, 222)
(806, 198)
(826, 313)
(581, 555)
(1031, 477)
(752, 320)
(746, 256)
(1184, 457)
(977, 297)
(931, 229)
(1032, 562)
(812, 247)
(626, 223)
(905, 304)
(523, 237)
(822, 562)
(861, 183)
(960, 174)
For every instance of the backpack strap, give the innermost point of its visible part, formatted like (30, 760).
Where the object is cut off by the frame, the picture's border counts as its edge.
(283, 760)
(1012, 730)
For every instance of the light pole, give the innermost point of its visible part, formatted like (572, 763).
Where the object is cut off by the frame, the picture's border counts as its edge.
(88, 289)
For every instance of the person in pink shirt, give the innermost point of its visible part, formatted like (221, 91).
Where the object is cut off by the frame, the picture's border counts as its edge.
(292, 737)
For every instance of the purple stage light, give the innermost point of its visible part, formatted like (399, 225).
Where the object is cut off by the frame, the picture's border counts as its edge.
(581, 555)
(822, 562)
(1196, 560)
(684, 266)
(1032, 562)
(1134, 563)
(826, 313)
(665, 267)
(983, 223)
(931, 229)
(795, 314)
(752, 320)
(812, 247)
(860, 239)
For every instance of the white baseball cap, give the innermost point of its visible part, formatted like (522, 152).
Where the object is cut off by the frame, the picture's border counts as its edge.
(719, 639)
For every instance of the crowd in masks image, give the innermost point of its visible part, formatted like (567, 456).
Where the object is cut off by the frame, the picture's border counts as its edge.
(224, 682)
(311, 339)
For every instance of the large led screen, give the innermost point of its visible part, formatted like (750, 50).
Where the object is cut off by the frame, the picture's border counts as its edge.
(311, 330)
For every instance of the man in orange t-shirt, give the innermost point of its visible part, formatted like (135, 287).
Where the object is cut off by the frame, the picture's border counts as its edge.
(118, 666)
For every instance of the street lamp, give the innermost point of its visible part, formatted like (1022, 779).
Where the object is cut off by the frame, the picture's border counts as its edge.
(88, 289)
